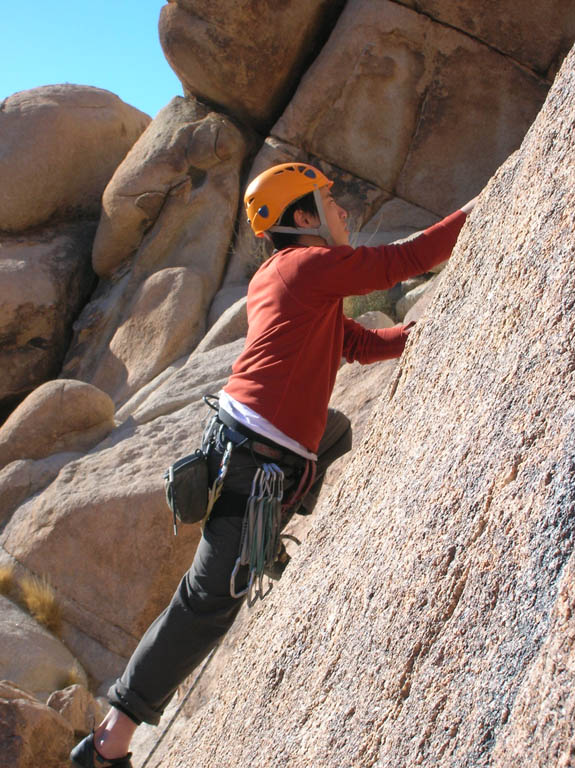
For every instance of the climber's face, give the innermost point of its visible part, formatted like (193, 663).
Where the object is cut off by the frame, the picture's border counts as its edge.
(336, 218)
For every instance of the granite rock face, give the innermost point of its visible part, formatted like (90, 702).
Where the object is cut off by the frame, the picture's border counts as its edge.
(428, 618)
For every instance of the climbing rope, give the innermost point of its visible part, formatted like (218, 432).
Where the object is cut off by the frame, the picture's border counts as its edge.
(181, 705)
(306, 481)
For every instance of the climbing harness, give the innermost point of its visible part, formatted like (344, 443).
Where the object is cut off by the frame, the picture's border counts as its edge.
(260, 541)
(261, 547)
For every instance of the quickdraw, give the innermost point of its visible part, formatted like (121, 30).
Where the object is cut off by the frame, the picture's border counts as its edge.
(260, 540)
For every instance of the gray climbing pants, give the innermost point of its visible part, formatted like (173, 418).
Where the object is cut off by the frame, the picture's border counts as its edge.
(202, 608)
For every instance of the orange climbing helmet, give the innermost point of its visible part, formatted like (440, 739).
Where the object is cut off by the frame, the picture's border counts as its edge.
(274, 190)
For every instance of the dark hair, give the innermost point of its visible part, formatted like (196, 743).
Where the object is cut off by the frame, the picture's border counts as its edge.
(286, 239)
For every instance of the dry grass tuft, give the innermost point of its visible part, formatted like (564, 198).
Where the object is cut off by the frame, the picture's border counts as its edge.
(35, 595)
(39, 598)
(72, 677)
(8, 585)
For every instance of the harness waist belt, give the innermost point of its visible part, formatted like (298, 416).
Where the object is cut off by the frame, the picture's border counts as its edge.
(239, 433)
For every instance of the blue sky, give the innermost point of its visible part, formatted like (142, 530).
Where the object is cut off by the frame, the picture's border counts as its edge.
(111, 44)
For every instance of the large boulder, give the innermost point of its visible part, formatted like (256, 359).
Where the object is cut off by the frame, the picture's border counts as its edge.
(46, 278)
(177, 152)
(411, 105)
(59, 416)
(107, 511)
(31, 733)
(60, 146)
(428, 619)
(32, 657)
(174, 203)
(163, 318)
(243, 56)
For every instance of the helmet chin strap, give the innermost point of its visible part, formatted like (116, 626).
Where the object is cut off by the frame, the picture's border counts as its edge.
(321, 231)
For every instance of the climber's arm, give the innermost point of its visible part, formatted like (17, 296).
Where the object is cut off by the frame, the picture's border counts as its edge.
(370, 346)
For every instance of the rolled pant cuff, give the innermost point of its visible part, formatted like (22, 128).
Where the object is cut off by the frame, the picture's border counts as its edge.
(132, 705)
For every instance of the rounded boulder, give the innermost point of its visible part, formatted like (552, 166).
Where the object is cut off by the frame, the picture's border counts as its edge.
(60, 146)
(61, 415)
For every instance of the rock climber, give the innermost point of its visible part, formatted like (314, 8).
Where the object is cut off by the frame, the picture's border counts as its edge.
(274, 413)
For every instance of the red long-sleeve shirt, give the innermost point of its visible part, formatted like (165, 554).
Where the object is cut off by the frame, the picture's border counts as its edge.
(297, 332)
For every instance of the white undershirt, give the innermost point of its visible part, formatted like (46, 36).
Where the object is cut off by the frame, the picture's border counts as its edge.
(263, 427)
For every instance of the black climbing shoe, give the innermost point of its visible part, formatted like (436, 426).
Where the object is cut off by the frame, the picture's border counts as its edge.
(85, 755)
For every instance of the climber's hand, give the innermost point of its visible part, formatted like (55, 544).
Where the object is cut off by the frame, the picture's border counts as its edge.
(409, 327)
